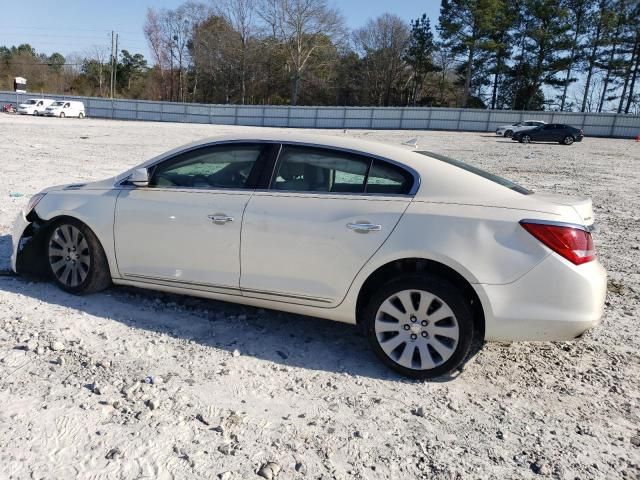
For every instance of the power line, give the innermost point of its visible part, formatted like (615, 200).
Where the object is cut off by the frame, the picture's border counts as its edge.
(4, 28)
(46, 64)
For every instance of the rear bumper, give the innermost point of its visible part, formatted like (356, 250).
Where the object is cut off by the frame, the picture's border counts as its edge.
(555, 301)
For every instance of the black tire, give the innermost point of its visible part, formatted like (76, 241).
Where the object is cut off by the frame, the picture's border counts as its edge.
(81, 115)
(508, 133)
(35, 113)
(61, 114)
(94, 275)
(525, 139)
(441, 288)
(568, 140)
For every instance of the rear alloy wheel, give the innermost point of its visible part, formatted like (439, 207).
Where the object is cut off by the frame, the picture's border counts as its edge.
(75, 257)
(525, 139)
(508, 133)
(568, 140)
(420, 326)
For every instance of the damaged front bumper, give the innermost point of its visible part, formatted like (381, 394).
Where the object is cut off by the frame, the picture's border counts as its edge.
(20, 225)
(27, 241)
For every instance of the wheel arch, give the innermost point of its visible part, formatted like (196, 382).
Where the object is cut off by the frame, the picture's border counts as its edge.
(417, 265)
(31, 259)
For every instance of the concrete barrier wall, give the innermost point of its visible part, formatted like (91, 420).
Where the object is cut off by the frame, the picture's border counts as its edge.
(378, 118)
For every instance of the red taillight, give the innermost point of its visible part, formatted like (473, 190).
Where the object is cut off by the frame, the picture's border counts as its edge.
(574, 244)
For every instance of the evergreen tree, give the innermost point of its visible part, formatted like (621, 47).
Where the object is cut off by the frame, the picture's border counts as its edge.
(541, 37)
(578, 15)
(464, 26)
(419, 55)
(610, 61)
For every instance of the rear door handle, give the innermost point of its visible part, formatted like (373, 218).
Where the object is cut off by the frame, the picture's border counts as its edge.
(220, 219)
(364, 227)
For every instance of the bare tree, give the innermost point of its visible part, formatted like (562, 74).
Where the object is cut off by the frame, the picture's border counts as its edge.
(240, 14)
(153, 30)
(95, 65)
(169, 33)
(382, 43)
(214, 49)
(302, 27)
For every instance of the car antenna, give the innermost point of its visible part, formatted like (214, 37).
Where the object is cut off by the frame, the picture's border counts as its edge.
(411, 143)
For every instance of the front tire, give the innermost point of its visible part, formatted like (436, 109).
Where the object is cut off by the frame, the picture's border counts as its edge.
(35, 113)
(508, 133)
(81, 115)
(61, 114)
(75, 258)
(419, 326)
(525, 139)
(568, 140)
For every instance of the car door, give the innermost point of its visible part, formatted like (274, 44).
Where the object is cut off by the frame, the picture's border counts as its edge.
(560, 132)
(184, 228)
(545, 133)
(323, 215)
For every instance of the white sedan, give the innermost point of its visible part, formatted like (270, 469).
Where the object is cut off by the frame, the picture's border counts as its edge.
(509, 130)
(426, 253)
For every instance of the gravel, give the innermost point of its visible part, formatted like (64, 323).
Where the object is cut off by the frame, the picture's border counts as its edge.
(521, 410)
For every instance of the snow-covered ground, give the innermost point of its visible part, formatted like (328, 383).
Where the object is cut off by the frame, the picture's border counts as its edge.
(235, 388)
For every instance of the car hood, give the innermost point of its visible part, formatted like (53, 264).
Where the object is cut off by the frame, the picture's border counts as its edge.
(105, 184)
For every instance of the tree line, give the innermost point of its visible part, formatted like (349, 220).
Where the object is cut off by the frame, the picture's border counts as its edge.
(563, 55)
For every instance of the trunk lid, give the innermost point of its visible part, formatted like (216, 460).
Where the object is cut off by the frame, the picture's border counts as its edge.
(582, 205)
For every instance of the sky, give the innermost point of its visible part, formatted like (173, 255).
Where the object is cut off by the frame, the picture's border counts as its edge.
(75, 26)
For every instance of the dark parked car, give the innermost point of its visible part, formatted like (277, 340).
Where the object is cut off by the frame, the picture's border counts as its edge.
(551, 132)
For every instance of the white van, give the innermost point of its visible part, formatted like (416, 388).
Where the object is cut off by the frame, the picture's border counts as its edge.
(34, 106)
(65, 108)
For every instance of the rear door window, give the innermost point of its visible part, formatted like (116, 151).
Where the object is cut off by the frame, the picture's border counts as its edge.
(311, 169)
(314, 169)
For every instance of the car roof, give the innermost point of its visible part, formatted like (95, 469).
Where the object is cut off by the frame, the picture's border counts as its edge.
(438, 179)
(398, 153)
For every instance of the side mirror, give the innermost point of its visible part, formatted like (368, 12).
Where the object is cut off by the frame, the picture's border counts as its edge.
(140, 177)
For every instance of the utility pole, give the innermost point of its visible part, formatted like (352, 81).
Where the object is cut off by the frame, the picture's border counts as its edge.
(115, 67)
(111, 62)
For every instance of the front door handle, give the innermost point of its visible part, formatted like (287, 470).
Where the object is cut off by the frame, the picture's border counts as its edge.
(364, 227)
(220, 219)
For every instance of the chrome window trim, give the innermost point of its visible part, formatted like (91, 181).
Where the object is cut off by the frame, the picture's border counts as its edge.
(412, 191)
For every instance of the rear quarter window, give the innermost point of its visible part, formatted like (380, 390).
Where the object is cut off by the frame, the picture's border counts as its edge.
(385, 178)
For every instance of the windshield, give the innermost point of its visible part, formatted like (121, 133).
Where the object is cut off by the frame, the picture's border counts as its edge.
(57, 104)
(478, 171)
(30, 102)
